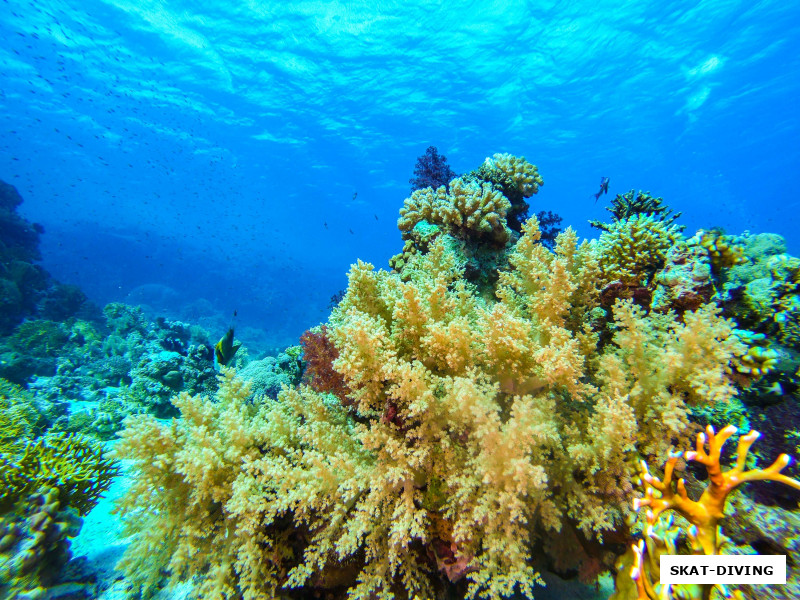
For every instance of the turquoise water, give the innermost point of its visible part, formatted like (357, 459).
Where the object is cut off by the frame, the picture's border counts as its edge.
(218, 138)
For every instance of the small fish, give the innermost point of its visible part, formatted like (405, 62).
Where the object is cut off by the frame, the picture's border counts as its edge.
(355, 195)
(376, 217)
(326, 224)
(351, 232)
(604, 181)
(225, 349)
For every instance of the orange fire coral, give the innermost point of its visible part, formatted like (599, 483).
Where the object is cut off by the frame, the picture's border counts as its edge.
(703, 514)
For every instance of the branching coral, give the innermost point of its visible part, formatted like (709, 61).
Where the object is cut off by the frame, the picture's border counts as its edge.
(635, 203)
(703, 515)
(72, 465)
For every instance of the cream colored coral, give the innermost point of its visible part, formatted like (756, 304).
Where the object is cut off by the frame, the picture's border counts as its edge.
(483, 421)
(421, 206)
(524, 175)
(469, 208)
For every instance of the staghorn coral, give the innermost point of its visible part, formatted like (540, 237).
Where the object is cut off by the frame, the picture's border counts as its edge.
(72, 465)
(635, 203)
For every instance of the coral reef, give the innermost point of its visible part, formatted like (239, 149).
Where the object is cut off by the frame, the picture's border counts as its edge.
(270, 374)
(26, 289)
(482, 408)
(472, 429)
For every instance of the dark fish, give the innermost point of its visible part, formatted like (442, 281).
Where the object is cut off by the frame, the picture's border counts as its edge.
(376, 217)
(604, 181)
(355, 195)
(225, 349)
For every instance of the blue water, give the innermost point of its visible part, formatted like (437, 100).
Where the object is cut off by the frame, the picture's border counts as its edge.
(192, 153)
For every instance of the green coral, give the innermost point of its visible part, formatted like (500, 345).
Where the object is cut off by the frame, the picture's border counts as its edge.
(72, 464)
(632, 250)
(20, 417)
(633, 203)
(40, 338)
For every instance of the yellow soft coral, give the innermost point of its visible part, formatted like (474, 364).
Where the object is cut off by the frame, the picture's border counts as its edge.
(475, 424)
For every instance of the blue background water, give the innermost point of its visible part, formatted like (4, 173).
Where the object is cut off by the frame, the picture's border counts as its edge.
(190, 154)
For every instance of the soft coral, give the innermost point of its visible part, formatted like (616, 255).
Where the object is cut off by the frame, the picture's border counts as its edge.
(320, 352)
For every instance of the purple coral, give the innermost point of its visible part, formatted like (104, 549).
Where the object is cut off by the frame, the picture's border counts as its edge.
(431, 170)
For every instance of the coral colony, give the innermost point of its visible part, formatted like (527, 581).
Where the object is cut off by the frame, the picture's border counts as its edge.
(483, 409)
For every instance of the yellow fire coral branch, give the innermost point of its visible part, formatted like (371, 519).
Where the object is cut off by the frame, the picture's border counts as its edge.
(704, 514)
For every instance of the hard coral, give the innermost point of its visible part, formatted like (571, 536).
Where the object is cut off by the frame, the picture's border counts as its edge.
(703, 515)
(70, 464)
(633, 249)
(34, 544)
(635, 203)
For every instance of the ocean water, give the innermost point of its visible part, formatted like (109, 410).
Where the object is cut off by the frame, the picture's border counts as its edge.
(214, 157)
(204, 147)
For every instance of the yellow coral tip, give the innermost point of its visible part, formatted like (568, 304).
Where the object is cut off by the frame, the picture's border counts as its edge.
(730, 429)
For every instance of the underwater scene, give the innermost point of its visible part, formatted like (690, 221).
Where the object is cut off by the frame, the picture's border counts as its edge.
(399, 300)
